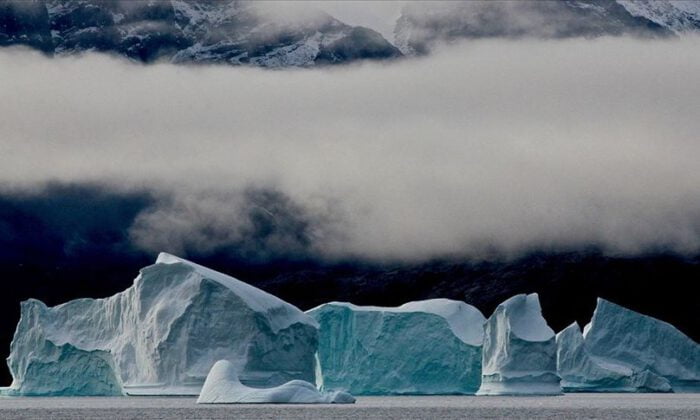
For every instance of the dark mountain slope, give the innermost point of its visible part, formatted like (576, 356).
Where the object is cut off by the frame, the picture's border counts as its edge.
(188, 31)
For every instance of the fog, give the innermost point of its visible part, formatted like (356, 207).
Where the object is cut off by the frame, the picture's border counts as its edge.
(481, 148)
(378, 15)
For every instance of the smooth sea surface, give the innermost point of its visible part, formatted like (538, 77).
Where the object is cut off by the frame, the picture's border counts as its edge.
(579, 406)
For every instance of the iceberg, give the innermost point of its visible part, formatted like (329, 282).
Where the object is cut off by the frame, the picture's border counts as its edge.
(621, 337)
(520, 350)
(162, 335)
(54, 373)
(424, 347)
(223, 386)
(581, 372)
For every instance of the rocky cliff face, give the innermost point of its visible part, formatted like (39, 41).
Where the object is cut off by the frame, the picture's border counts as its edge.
(188, 31)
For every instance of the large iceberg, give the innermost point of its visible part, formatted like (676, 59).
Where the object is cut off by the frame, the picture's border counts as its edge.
(581, 372)
(520, 350)
(425, 347)
(621, 337)
(223, 386)
(161, 336)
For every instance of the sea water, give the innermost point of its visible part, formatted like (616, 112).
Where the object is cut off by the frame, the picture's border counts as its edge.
(614, 406)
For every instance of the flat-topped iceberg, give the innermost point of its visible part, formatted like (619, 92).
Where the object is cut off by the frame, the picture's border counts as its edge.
(581, 372)
(425, 347)
(520, 350)
(620, 337)
(161, 336)
(223, 386)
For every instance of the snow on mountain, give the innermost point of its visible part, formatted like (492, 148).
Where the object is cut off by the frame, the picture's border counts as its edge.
(425, 25)
(189, 31)
(246, 33)
(677, 15)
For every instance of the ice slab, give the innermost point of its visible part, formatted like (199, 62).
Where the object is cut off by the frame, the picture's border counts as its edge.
(223, 386)
(425, 347)
(161, 336)
(519, 350)
(621, 337)
(581, 372)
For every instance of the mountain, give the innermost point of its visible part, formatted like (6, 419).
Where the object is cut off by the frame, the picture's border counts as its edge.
(272, 35)
(677, 16)
(189, 31)
(424, 25)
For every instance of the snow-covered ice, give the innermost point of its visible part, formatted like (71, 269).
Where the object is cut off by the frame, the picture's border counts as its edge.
(519, 350)
(425, 347)
(581, 372)
(223, 386)
(161, 336)
(621, 337)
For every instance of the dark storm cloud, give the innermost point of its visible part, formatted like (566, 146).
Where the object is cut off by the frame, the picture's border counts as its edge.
(485, 147)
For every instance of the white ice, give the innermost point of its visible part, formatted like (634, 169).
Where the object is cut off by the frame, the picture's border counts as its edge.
(223, 386)
(621, 337)
(161, 336)
(519, 350)
(581, 372)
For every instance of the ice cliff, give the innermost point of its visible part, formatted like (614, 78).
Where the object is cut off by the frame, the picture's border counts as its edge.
(181, 323)
(519, 350)
(626, 340)
(161, 336)
(424, 347)
(223, 386)
(581, 372)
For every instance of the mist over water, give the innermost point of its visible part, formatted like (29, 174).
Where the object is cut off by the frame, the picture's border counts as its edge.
(486, 147)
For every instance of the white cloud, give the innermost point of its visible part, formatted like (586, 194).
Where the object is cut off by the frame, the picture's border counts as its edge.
(488, 145)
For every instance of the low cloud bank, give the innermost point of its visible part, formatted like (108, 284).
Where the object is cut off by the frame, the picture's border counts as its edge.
(486, 147)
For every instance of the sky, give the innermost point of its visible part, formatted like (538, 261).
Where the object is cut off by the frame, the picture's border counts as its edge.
(489, 146)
